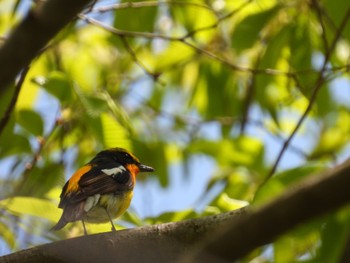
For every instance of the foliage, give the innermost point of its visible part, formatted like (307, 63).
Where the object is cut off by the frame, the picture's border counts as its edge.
(191, 84)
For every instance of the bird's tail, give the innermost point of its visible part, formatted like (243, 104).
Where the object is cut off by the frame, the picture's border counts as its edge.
(70, 213)
(60, 224)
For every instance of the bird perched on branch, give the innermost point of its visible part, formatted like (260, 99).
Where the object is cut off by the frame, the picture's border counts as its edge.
(102, 189)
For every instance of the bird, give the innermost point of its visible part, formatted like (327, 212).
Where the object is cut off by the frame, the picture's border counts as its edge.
(101, 190)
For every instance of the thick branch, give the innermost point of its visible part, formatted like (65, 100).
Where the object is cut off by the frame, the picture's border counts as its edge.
(32, 34)
(314, 197)
(230, 235)
(157, 243)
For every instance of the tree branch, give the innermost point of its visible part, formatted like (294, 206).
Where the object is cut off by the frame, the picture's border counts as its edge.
(157, 243)
(39, 26)
(315, 196)
(220, 238)
(318, 85)
(4, 120)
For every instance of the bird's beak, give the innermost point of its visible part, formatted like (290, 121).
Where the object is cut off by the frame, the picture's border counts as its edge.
(145, 168)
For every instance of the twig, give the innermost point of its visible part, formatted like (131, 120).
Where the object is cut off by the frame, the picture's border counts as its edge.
(124, 32)
(155, 76)
(30, 165)
(248, 98)
(318, 10)
(184, 40)
(224, 120)
(217, 23)
(146, 4)
(267, 71)
(4, 120)
(319, 83)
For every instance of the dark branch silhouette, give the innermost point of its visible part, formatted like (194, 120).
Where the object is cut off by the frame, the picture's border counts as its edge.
(39, 26)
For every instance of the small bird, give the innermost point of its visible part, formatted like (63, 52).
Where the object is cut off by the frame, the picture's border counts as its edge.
(102, 189)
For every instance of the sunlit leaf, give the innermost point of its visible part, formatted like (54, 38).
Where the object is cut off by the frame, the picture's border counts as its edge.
(280, 182)
(114, 134)
(225, 203)
(193, 16)
(7, 235)
(31, 206)
(173, 55)
(301, 241)
(248, 30)
(139, 19)
(172, 217)
(334, 236)
(336, 10)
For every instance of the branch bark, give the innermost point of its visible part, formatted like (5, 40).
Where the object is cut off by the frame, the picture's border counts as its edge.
(221, 238)
(157, 243)
(39, 26)
(315, 196)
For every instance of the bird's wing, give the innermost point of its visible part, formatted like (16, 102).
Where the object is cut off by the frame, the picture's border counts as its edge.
(94, 180)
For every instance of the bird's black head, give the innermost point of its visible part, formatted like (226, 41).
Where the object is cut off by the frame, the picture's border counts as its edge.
(123, 157)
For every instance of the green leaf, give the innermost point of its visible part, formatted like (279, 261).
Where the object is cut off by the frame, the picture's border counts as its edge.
(31, 121)
(94, 104)
(31, 206)
(7, 235)
(336, 11)
(244, 150)
(239, 184)
(269, 93)
(225, 203)
(324, 101)
(214, 93)
(174, 54)
(41, 179)
(334, 236)
(114, 134)
(302, 46)
(6, 98)
(132, 218)
(16, 144)
(301, 241)
(12, 143)
(192, 18)
(281, 181)
(246, 34)
(153, 154)
(58, 85)
(172, 217)
(101, 102)
(136, 19)
(334, 137)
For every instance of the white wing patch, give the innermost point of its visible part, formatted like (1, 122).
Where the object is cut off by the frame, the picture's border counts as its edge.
(115, 170)
(91, 201)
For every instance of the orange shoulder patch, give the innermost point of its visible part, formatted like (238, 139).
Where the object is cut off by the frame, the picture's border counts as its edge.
(74, 180)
